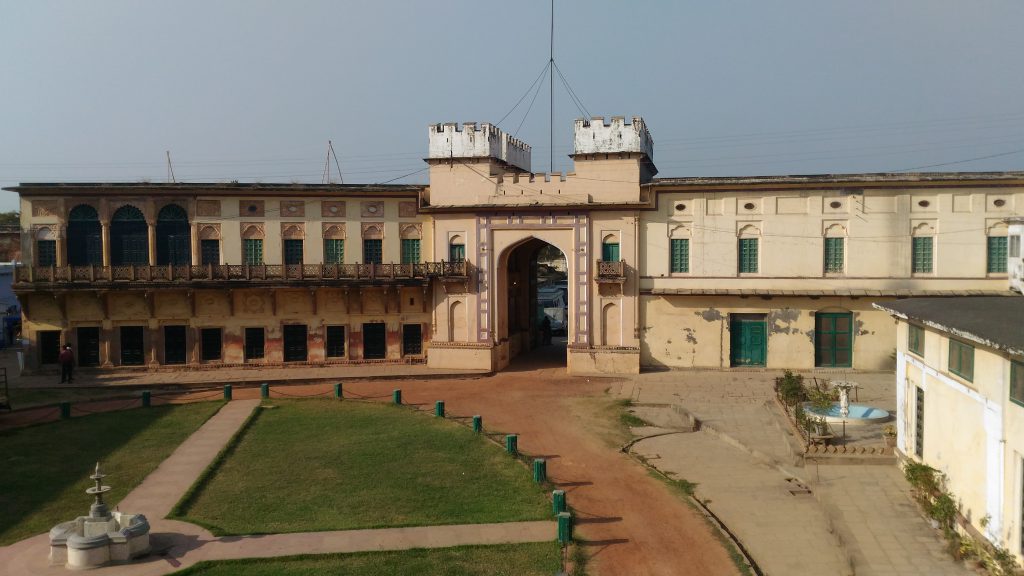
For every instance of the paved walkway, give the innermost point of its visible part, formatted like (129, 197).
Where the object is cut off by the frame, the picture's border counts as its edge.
(865, 518)
(178, 544)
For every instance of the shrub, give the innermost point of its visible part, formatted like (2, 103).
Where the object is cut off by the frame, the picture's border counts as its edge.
(790, 388)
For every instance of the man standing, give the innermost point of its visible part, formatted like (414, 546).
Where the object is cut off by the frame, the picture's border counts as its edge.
(67, 364)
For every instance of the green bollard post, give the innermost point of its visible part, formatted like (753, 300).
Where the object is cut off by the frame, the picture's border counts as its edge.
(540, 470)
(339, 393)
(227, 391)
(147, 399)
(264, 390)
(65, 410)
(396, 396)
(439, 408)
(558, 501)
(512, 444)
(564, 528)
(478, 424)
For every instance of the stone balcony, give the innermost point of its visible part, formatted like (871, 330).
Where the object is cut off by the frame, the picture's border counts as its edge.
(214, 275)
(611, 272)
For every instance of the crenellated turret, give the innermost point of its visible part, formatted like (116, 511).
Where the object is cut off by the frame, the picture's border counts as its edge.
(448, 141)
(594, 136)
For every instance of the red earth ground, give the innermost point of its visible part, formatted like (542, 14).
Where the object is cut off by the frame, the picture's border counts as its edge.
(629, 523)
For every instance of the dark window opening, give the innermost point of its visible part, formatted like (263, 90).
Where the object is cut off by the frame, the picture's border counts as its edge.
(335, 342)
(373, 251)
(412, 339)
(295, 342)
(173, 236)
(253, 343)
(374, 341)
(209, 251)
(85, 244)
(175, 344)
(210, 344)
(49, 346)
(129, 237)
(46, 252)
(293, 251)
(88, 346)
(132, 346)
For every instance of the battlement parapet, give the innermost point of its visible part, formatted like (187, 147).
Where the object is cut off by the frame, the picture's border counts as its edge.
(449, 140)
(594, 136)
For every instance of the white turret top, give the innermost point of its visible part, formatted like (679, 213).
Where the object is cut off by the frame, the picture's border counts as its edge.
(488, 141)
(595, 137)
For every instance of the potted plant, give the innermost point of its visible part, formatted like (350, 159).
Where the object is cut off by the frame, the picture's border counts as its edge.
(889, 435)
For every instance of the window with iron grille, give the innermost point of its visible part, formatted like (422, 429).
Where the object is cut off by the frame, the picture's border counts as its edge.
(997, 254)
(293, 251)
(1017, 382)
(457, 253)
(209, 251)
(334, 251)
(921, 254)
(210, 340)
(680, 255)
(335, 344)
(748, 255)
(919, 422)
(254, 343)
(834, 254)
(961, 359)
(915, 339)
(46, 252)
(1014, 248)
(373, 251)
(410, 251)
(253, 251)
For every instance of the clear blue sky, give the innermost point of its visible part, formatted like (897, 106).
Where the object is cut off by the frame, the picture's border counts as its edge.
(252, 91)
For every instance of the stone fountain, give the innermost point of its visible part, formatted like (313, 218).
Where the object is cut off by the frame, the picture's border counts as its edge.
(102, 537)
(844, 388)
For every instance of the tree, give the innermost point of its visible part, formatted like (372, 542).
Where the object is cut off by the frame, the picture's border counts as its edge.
(8, 218)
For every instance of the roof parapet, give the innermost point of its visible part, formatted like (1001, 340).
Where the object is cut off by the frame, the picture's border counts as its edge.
(594, 136)
(448, 141)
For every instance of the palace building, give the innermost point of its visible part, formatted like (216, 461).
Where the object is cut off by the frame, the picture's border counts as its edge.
(776, 271)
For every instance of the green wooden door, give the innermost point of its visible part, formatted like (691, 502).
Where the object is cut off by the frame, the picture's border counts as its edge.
(749, 338)
(833, 340)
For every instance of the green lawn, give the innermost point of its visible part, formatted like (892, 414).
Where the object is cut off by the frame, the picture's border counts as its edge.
(320, 465)
(25, 397)
(46, 468)
(504, 560)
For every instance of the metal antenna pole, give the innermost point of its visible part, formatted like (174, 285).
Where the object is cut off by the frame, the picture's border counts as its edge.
(170, 168)
(551, 95)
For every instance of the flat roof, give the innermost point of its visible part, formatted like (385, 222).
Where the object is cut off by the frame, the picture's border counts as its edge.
(993, 321)
(213, 188)
(867, 180)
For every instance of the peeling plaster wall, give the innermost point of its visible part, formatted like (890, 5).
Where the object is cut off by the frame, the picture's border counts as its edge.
(693, 331)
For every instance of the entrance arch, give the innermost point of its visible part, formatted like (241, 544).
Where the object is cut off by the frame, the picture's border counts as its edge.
(531, 286)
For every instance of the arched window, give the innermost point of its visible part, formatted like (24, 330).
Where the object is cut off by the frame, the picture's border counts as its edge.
(410, 248)
(129, 237)
(456, 249)
(922, 249)
(173, 242)
(85, 243)
(835, 249)
(610, 248)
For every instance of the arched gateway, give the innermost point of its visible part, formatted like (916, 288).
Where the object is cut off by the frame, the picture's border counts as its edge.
(483, 198)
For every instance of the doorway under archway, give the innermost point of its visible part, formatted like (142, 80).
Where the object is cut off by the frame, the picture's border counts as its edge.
(536, 304)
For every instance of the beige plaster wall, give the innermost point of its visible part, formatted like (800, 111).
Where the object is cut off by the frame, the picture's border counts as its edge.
(792, 225)
(693, 331)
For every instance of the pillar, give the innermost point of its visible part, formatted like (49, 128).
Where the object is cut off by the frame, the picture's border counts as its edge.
(105, 232)
(151, 229)
(194, 235)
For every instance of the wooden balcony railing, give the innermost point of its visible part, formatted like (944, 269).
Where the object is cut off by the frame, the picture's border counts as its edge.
(87, 275)
(611, 271)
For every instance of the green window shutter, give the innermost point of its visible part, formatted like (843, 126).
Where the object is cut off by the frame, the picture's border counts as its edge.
(749, 255)
(680, 255)
(293, 251)
(997, 254)
(1017, 382)
(610, 252)
(961, 359)
(46, 252)
(334, 251)
(209, 251)
(410, 251)
(921, 254)
(254, 251)
(915, 339)
(834, 254)
(373, 251)
(457, 253)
